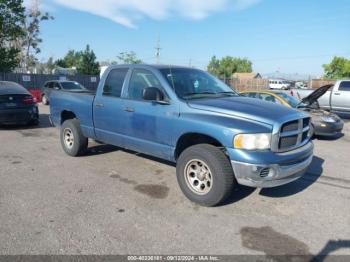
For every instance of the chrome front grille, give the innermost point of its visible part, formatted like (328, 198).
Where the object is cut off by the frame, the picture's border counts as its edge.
(293, 134)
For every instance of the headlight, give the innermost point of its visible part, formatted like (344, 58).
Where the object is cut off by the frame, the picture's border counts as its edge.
(328, 119)
(252, 141)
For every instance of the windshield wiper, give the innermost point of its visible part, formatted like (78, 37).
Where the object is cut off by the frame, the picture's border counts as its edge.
(187, 95)
(198, 95)
(227, 93)
(202, 93)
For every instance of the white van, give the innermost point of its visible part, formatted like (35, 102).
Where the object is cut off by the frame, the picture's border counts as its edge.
(279, 84)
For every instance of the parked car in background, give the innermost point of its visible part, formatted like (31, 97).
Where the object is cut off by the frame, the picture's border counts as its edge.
(323, 122)
(58, 85)
(17, 105)
(336, 99)
(216, 137)
(279, 84)
(300, 85)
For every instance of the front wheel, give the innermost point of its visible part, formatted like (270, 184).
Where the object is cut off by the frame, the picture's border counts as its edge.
(205, 175)
(73, 142)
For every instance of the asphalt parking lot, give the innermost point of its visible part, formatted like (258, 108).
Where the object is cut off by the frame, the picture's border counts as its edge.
(113, 201)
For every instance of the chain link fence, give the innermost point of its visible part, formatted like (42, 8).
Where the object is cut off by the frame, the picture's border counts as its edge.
(36, 81)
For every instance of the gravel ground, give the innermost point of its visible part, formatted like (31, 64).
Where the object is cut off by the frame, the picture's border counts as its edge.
(113, 201)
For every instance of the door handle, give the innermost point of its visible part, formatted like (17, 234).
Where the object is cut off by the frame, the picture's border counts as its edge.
(99, 105)
(129, 110)
(336, 94)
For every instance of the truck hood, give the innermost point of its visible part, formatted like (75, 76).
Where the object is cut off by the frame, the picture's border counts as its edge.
(314, 96)
(245, 107)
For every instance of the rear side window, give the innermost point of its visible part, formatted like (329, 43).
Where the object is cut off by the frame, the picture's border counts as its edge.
(114, 83)
(344, 86)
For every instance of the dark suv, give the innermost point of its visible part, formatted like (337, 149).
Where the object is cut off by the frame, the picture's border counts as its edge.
(58, 85)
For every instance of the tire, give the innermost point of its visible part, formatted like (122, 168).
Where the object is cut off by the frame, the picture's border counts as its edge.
(313, 135)
(44, 100)
(73, 142)
(214, 162)
(34, 122)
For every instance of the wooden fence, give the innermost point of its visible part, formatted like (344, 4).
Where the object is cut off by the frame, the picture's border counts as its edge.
(317, 83)
(240, 85)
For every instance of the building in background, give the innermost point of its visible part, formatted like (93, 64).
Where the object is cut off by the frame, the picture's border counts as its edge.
(246, 76)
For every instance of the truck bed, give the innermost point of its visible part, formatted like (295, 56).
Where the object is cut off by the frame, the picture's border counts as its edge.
(80, 103)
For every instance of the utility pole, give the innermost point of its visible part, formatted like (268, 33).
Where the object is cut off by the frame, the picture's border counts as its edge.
(158, 48)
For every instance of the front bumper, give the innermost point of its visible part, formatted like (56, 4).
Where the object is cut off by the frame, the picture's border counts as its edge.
(273, 174)
(328, 129)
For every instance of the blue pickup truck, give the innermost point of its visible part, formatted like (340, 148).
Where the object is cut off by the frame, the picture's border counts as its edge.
(217, 138)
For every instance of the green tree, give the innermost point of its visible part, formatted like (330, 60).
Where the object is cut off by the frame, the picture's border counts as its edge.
(338, 68)
(214, 66)
(88, 64)
(71, 59)
(45, 67)
(129, 58)
(228, 65)
(32, 40)
(11, 20)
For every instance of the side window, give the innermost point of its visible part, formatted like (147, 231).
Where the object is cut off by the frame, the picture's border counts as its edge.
(344, 86)
(49, 85)
(140, 80)
(55, 85)
(268, 98)
(114, 82)
(252, 95)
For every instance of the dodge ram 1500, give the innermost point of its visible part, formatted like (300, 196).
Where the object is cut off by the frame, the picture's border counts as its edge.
(217, 138)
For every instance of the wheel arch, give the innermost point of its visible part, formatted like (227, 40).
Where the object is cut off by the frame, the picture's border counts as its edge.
(66, 115)
(193, 138)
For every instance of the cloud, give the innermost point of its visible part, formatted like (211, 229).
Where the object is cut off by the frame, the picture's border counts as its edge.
(127, 12)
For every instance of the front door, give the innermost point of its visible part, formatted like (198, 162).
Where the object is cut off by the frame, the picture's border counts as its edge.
(150, 124)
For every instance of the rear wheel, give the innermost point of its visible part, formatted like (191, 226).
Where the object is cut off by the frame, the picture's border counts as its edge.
(205, 175)
(73, 142)
(44, 100)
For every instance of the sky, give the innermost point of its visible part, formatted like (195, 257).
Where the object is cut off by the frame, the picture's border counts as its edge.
(289, 36)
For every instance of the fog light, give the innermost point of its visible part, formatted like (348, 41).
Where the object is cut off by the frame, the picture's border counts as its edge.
(265, 172)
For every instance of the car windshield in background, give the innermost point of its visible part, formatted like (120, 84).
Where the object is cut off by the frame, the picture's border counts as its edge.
(72, 86)
(292, 101)
(193, 83)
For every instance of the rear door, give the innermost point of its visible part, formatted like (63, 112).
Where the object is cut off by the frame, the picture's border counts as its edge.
(108, 108)
(341, 97)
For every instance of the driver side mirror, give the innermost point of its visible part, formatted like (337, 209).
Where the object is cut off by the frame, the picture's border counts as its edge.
(152, 94)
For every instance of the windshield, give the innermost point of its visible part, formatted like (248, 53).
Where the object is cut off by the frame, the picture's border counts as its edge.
(292, 101)
(72, 86)
(194, 84)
